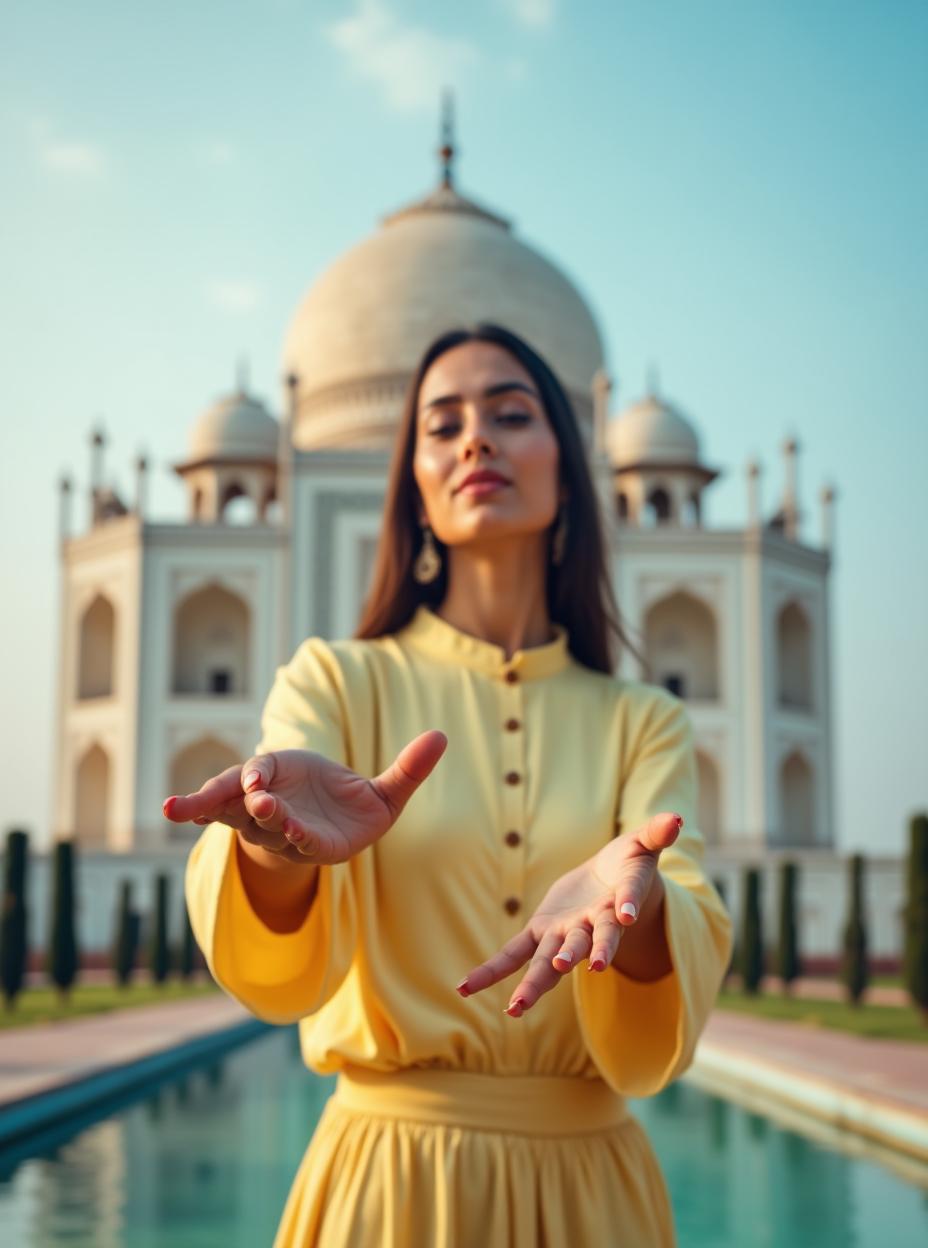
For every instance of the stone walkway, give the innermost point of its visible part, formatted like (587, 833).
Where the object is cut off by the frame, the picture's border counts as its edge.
(878, 1088)
(47, 1056)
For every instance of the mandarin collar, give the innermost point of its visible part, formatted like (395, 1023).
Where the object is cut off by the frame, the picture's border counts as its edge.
(434, 636)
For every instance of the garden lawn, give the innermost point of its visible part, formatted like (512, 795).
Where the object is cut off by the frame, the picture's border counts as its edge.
(43, 1005)
(883, 1022)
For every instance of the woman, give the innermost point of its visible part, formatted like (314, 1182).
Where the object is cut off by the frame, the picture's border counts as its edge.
(494, 1114)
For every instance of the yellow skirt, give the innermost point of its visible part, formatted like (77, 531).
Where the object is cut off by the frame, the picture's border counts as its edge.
(450, 1159)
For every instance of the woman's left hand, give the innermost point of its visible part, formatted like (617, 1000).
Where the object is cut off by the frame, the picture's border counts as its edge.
(582, 915)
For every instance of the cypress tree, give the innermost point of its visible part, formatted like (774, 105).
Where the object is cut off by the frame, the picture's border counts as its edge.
(62, 959)
(915, 962)
(788, 963)
(14, 946)
(188, 947)
(752, 937)
(733, 960)
(126, 940)
(159, 953)
(854, 966)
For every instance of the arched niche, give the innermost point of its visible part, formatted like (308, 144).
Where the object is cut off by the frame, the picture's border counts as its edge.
(681, 644)
(212, 644)
(236, 506)
(97, 643)
(709, 808)
(797, 800)
(198, 506)
(92, 798)
(794, 658)
(658, 508)
(199, 761)
(622, 503)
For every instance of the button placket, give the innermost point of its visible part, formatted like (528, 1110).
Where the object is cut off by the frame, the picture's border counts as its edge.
(512, 781)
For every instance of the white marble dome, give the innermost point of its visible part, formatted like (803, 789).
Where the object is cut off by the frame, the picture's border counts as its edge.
(651, 431)
(236, 427)
(437, 264)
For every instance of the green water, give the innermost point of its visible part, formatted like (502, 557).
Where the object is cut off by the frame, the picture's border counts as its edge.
(207, 1160)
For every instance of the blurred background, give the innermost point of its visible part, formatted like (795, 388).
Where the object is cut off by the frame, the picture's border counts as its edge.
(230, 229)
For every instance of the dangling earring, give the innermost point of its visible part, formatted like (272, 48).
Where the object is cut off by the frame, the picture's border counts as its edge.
(428, 560)
(559, 543)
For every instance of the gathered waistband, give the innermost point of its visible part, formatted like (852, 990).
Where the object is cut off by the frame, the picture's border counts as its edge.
(524, 1104)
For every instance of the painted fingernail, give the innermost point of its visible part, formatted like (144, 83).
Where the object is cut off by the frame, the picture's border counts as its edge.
(462, 988)
(598, 964)
(565, 956)
(679, 821)
(629, 907)
(518, 1005)
(291, 832)
(251, 779)
(167, 805)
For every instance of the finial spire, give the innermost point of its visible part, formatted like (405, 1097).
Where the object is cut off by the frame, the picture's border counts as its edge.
(654, 380)
(446, 151)
(241, 374)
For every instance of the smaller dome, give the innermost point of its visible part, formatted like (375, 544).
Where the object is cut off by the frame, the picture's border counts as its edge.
(236, 427)
(651, 431)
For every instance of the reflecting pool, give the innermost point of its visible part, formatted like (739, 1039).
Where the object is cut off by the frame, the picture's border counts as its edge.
(206, 1161)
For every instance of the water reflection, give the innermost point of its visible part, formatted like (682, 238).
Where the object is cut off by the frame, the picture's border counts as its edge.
(208, 1158)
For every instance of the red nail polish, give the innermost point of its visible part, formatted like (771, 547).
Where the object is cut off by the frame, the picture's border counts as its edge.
(168, 805)
(598, 965)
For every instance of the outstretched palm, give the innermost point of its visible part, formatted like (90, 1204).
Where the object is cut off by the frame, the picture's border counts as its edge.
(305, 807)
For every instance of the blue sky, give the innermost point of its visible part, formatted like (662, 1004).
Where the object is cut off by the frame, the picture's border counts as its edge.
(738, 187)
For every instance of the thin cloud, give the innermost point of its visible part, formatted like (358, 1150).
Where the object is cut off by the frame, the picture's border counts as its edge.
(537, 13)
(220, 153)
(409, 63)
(232, 296)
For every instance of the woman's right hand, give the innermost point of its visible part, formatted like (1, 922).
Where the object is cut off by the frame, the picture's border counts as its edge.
(306, 808)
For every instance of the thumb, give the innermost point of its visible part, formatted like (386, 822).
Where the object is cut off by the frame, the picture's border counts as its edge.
(412, 765)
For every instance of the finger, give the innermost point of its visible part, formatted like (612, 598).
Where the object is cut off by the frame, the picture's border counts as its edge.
(575, 947)
(514, 953)
(539, 978)
(659, 832)
(632, 887)
(258, 772)
(208, 799)
(607, 932)
(411, 766)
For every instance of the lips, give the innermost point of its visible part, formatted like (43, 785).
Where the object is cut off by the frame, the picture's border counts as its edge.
(483, 477)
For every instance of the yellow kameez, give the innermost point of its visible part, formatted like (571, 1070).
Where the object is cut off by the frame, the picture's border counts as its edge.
(453, 1125)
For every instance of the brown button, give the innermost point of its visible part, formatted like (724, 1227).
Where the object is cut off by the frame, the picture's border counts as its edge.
(512, 905)
(512, 725)
(513, 839)
(512, 777)
(511, 677)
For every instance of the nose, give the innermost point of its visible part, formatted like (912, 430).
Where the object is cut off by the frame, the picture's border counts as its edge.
(476, 440)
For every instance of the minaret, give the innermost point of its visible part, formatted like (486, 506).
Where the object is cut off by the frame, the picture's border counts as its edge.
(753, 474)
(828, 496)
(64, 509)
(791, 491)
(141, 485)
(97, 447)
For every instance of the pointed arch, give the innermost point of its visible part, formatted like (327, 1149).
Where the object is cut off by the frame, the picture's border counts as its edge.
(797, 800)
(658, 506)
(212, 643)
(203, 758)
(681, 644)
(794, 658)
(236, 506)
(96, 649)
(92, 798)
(709, 806)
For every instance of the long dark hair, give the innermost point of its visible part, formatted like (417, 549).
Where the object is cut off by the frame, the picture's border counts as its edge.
(579, 591)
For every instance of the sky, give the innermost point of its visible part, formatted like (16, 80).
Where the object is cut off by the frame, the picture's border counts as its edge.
(739, 189)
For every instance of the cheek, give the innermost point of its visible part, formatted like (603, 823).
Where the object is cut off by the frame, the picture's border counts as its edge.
(539, 464)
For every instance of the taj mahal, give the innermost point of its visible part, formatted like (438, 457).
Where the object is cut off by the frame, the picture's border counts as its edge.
(171, 630)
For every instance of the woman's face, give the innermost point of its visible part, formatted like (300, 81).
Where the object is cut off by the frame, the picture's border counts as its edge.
(479, 412)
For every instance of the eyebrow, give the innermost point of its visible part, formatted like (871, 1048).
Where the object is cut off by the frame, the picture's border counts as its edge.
(487, 394)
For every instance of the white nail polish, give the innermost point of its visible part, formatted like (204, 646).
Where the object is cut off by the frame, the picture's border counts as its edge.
(565, 956)
(629, 907)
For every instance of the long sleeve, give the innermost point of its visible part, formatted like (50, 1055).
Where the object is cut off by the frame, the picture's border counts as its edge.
(280, 977)
(643, 1035)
